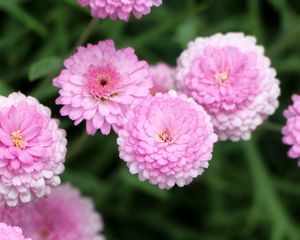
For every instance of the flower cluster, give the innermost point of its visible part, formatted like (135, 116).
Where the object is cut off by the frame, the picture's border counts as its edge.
(167, 120)
(64, 215)
(32, 150)
(224, 85)
(120, 9)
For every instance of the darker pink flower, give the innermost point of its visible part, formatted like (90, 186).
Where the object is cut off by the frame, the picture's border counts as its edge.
(230, 76)
(11, 233)
(63, 215)
(167, 139)
(32, 149)
(120, 9)
(99, 83)
(291, 130)
(162, 77)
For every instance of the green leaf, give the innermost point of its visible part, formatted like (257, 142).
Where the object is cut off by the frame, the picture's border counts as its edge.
(44, 67)
(289, 65)
(44, 90)
(187, 31)
(280, 5)
(12, 7)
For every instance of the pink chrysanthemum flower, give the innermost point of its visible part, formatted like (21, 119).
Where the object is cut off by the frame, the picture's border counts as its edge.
(162, 78)
(232, 79)
(167, 139)
(99, 83)
(63, 215)
(291, 130)
(32, 149)
(120, 9)
(11, 233)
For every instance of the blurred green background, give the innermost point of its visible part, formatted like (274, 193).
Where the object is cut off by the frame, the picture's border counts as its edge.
(251, 189)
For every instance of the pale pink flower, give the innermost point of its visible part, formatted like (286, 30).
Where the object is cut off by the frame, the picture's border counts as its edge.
(167, 139)
(120, 9)
(99, 83)
(162, 77)
(291, 130)
(63, 215)
(32, 149)
(230, 76)
(11, 233)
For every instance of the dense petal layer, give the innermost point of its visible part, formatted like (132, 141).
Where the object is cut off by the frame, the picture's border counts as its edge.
(120, 9)
(291, 130)
(32, 150)
(231, 78)
(167, 139)
(99, 83)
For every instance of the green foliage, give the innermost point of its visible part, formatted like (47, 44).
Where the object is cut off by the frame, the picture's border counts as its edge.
(44, 67)
(251, 189)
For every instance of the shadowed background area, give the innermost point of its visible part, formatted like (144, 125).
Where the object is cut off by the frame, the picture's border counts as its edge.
(251, 189)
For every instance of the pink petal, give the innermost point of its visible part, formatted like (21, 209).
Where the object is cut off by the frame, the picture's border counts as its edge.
(6, 124)
(36, 151)
(5, 138)
(31, 132)
(25, 157)
(90, 128)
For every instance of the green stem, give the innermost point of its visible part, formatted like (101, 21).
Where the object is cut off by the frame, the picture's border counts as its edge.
(86, 33)
(284, 42)
(255, 18)
(266, 196)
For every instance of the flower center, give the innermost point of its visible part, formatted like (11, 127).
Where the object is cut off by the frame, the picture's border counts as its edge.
(44, 234)
(102, 82)
(221, 77)
(18, 139)
(165, 136)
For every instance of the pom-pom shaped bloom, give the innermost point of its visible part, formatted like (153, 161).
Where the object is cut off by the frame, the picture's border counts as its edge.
(11, 233)
(99, 83)
(291, 130)
(168, 139)
(232, 79)
(63, 215)
(120, 9)
(32, 149)
(162, 78)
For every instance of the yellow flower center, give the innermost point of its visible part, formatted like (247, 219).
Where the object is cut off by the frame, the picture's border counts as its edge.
(165, 136)
(221, 77)
(18, 139)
